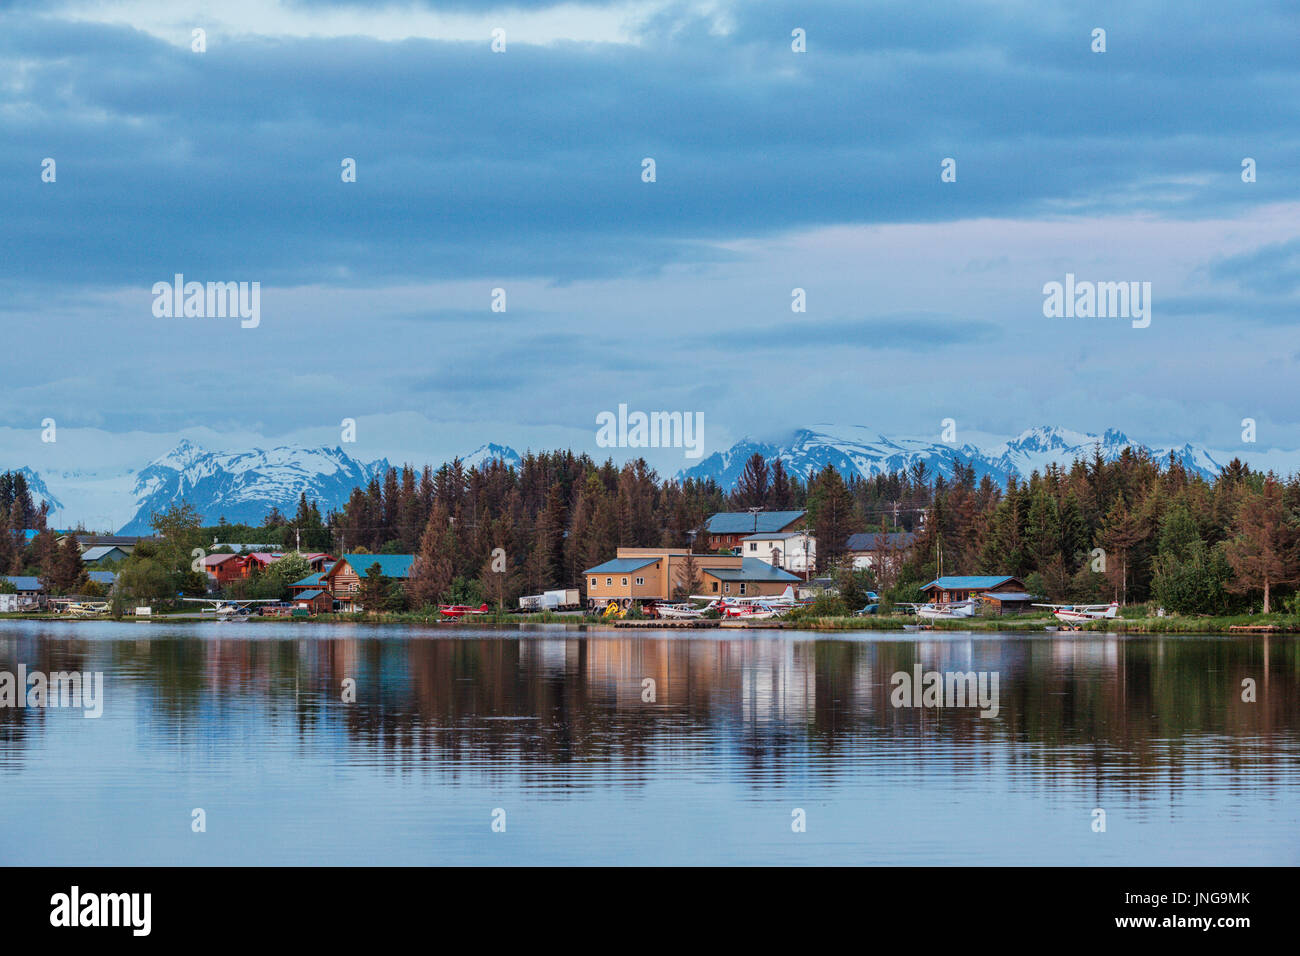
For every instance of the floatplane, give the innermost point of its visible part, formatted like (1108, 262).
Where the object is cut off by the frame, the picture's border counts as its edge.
(1076, 614)
(228, 608)
(456, 611)
(72, 608)
(943, 610)
(757, 608)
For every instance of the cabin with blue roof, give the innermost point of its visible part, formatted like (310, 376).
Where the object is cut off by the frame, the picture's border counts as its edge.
(343, 578)
(1003, 593)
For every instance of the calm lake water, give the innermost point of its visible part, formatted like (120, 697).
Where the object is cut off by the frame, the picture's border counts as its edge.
(549, 725)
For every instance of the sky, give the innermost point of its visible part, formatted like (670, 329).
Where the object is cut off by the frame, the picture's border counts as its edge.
(522, 170)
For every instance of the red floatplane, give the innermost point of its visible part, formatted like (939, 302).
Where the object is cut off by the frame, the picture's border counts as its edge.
(461, 610)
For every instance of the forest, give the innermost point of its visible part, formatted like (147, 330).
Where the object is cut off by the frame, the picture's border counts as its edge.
(1133, 529)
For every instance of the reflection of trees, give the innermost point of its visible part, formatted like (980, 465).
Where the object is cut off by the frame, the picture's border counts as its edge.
(18, 725)
(1138, 715)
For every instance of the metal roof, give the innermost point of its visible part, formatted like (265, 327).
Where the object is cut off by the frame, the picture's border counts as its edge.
(97, 552)
(24, 582)
(390, 565)
(752, 569)
(308, 595)
(744, 522)
(309, 580)
(874, 541)
(968, 582)
(101, 577)
(775, 536)
(213, 559)
(621, 566)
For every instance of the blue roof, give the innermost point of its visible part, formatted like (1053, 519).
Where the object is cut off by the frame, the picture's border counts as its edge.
(101, 577)
(24, 582)
(390, 565)
(743, 522)
(308, 595)
(968, 582)
(621, 566)
(310, 580)
(752, 569)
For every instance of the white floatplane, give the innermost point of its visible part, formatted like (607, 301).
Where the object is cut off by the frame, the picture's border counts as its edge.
(228, 607)
(1083, 613)
(679, 612)
(943, 611)
(82, 608)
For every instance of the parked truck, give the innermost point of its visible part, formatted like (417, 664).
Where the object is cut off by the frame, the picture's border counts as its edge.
(561, 600)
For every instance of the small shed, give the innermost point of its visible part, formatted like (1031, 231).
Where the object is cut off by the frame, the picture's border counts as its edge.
(318, 601)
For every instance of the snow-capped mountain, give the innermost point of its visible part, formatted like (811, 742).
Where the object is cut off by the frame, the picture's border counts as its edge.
(856, 450)
(485, 453)
(244, 486)
(36, 485)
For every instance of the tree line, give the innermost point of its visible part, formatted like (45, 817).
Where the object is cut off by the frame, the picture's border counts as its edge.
(1133, 529)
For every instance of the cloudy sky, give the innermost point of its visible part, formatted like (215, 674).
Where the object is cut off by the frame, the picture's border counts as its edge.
(522, 170)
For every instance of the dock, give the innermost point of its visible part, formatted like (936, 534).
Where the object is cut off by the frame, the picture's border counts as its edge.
(1254, 628)
(658, 624)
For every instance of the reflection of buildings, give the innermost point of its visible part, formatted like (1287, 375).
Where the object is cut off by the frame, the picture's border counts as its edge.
(1092, 711)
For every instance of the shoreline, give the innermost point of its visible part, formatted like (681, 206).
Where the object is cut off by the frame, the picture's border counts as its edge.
(1241, 625)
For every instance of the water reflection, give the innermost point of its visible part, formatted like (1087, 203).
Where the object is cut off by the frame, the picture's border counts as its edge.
(1153, 729)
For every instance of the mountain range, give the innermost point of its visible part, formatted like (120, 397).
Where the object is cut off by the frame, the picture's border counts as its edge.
(243, 486)
(855, 450)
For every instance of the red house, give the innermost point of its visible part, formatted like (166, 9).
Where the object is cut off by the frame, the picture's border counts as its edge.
(224, 568)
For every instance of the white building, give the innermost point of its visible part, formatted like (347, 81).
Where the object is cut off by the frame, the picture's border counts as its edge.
(793, 551)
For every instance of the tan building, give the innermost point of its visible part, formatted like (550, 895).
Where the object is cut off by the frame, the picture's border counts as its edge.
(652, 574)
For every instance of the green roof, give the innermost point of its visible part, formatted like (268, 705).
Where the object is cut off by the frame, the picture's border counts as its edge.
(308, 595)
(309, 580)
(390, 565)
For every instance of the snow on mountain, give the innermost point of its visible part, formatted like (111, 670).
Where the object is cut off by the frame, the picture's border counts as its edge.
(36, 485)
(485, 453)
(244, 486)
(856, 450)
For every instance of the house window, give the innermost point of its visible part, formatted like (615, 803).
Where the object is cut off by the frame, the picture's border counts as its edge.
(593, 582)
(726, 588)
(609, 582)
(715, 587)
(753, 546)
(742, 587)
(640, 581)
